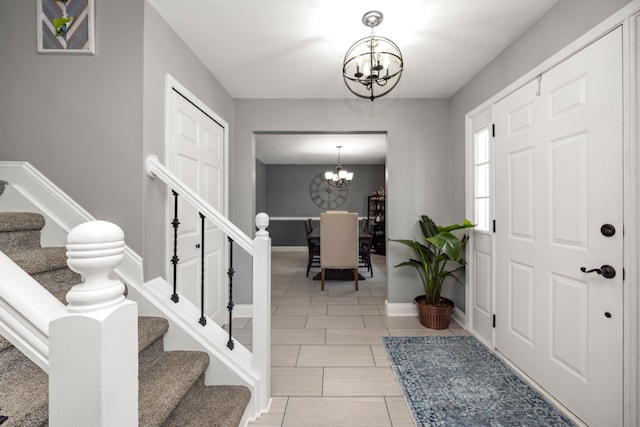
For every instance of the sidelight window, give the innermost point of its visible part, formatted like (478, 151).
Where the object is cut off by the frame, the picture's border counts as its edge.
(482, 182)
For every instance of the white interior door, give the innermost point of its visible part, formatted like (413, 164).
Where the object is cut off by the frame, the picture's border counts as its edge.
(558, 179)
(196, 155)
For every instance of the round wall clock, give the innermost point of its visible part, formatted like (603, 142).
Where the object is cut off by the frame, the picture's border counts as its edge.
(325, 196)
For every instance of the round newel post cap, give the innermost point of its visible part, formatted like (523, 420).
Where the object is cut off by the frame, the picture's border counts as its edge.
(262, 222)
(94, 250)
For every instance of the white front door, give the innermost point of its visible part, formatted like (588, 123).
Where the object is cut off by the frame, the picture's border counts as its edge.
(558, 181)
(196, 156)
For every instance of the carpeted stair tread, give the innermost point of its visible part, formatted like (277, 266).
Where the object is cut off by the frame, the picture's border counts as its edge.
(213, 406)
(20, 221)
(58, 282)
(39, 260)
(49, 267)
(163, 384)
(20, 230)
(24, 390)
(151, 330)
(4, 343)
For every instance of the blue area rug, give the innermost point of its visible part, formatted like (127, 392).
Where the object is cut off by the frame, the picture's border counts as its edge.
(457, 381)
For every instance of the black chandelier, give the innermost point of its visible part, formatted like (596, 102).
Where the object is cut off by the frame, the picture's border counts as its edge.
(373, 65)
(341, 177)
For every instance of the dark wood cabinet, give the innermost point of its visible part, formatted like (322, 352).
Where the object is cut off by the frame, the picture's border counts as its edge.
(375, 218)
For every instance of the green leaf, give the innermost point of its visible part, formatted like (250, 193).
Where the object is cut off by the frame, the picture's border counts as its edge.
(468, 224)
(429, 228)
(448, 243)
(406, 242)
(465, 224)
(411, 263)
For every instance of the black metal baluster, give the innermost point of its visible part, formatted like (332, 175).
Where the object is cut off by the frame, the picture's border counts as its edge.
(230, 305)
(174, 260)
(203, 320)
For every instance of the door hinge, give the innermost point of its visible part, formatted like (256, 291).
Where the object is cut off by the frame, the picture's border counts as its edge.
(494, 320)
(494, 225)
(493, 130)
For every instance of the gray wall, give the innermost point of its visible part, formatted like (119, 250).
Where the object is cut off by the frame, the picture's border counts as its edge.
(565, 22)
(287, 195)
(417, 142)
(76, 118)
(165, 52)
(261, 186)
(288, 188)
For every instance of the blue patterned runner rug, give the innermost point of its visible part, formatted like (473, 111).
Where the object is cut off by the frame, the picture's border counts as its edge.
(457, 381)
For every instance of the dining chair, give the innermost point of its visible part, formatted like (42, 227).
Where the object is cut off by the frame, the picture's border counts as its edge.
(339, 243)
(313, 247)
(365, 247)
(364, 253)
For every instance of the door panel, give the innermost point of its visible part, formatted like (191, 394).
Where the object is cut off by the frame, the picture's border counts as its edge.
(568, 344)
(568, 167)
(482, 296)
(521, 182)
(520, 288)
(482, 303)
(558, 179)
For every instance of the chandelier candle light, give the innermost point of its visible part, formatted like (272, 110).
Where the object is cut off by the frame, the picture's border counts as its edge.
(341, 177)
(373, 65)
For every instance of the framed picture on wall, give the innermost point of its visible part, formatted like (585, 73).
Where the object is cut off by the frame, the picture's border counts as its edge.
(66, 26)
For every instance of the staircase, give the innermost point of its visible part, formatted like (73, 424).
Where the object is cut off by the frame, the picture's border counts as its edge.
(171, 384)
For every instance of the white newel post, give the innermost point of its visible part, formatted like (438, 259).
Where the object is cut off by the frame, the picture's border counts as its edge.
(93, 379)
(262, 309)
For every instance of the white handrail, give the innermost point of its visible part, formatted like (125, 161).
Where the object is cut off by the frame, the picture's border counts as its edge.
(25, 315)
(155, 169)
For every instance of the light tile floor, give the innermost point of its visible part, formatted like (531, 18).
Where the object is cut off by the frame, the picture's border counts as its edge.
(329, 368)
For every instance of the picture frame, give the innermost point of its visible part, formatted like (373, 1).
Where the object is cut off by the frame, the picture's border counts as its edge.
(66, 26)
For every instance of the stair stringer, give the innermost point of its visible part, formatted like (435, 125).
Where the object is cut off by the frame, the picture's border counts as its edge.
(28, 190)
(226, 367)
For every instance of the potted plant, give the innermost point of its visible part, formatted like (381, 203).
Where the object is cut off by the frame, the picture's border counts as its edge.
(439, 248)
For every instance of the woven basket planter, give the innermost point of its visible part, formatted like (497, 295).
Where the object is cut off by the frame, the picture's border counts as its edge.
(435, 316)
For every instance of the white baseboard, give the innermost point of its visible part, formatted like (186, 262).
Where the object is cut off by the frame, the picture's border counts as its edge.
(400, 309)
(460, 317)
(407, 309)
(243, 310)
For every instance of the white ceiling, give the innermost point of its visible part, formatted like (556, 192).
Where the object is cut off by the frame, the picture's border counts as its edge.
(295, 48)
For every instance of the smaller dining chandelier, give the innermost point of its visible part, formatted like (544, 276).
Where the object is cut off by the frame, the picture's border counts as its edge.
(341, 177)
(373, 65)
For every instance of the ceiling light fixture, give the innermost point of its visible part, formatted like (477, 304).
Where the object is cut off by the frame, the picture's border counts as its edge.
(340, 178)
(373, 65)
